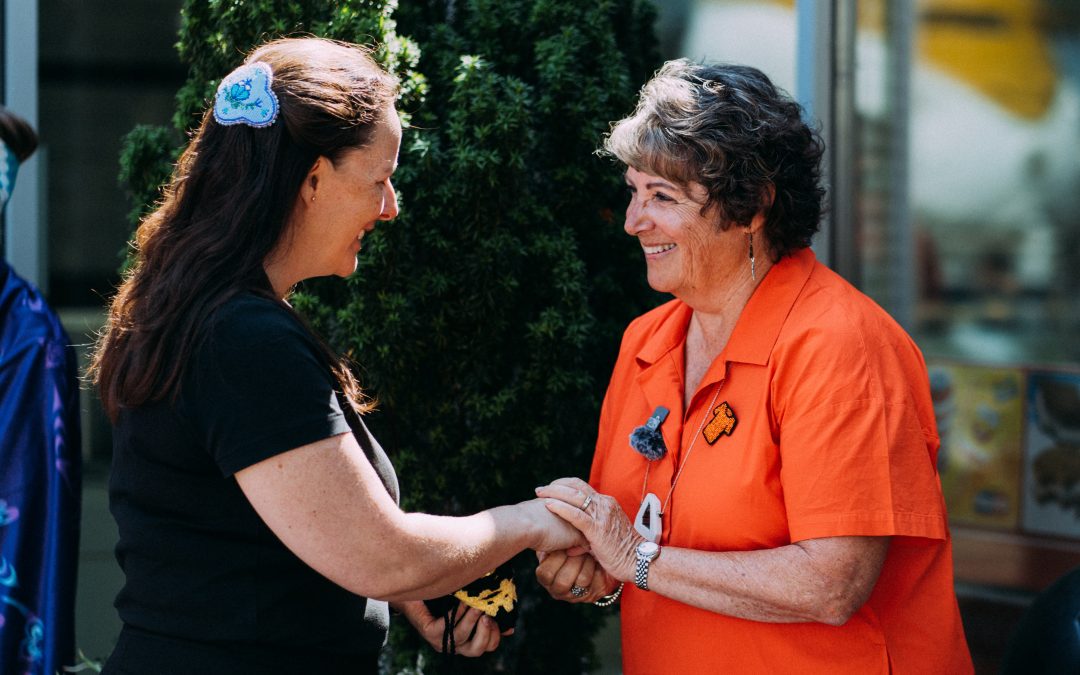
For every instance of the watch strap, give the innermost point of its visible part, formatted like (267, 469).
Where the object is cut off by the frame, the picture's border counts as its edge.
(641, 574)
(641, 571)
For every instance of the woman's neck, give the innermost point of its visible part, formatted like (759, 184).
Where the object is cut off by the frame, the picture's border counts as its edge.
(711, 325)
(281, 278)
(706, 337)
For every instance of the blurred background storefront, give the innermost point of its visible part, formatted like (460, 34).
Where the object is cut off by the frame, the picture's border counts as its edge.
(953, 129)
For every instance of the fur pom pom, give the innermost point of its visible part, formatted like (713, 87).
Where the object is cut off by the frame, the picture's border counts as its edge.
(648, 442)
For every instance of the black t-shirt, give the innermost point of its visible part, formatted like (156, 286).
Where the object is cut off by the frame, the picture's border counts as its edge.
(204, 576)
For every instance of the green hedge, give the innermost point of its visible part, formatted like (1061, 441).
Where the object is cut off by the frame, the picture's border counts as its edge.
(486, 318)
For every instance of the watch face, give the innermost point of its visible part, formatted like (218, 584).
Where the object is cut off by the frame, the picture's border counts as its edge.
(648, 549)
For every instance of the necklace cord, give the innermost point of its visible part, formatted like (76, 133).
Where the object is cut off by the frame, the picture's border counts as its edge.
(686, 457)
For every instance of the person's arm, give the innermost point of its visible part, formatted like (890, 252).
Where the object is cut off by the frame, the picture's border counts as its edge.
(825, 580)
(327, 505)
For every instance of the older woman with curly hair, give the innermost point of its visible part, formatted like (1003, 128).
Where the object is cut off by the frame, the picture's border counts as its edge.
(764, 496)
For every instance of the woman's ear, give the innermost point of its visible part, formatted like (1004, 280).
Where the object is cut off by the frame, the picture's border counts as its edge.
(769, 197)
(757, 223)
(309, 189)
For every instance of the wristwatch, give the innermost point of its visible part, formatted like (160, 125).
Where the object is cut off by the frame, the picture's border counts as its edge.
(646, 552)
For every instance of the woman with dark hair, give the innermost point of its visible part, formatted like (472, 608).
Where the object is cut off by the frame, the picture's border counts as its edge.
(777, 507)
(258, 518)
(18, 137)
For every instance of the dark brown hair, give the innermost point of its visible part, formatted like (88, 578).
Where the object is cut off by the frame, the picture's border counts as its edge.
(226, 209)
(17, 134)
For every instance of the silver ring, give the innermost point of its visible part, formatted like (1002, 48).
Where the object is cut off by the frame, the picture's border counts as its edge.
(585, 504)
(578, 591)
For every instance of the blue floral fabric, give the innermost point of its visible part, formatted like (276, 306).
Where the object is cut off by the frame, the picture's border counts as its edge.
(40, 483)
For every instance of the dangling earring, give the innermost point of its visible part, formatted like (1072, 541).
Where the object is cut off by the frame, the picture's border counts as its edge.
(750, 240)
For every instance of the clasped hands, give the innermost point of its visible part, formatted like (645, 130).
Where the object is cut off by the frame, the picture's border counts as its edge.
(583, 573)
(587, 574)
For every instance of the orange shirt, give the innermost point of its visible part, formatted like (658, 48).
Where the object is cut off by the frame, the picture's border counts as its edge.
(834, 435)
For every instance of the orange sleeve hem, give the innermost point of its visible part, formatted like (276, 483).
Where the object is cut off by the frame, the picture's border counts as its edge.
(869, 525)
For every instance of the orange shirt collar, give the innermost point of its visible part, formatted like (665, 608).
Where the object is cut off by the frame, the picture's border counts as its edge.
(759, 324)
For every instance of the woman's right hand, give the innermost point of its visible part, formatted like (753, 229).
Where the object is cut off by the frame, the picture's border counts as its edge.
(610, 534)
(552, 533)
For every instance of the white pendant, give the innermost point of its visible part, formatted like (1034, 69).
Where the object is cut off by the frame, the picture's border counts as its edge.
(647, 523)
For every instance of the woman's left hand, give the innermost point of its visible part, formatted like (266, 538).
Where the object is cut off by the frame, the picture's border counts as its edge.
(611, 537)
(572, 578)
(468, 642)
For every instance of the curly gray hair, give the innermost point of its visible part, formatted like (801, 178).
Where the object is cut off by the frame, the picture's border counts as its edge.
(730, 129)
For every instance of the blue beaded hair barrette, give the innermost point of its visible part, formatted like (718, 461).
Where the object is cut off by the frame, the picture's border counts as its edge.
(245, 97)
(9, 167)
(647, 439)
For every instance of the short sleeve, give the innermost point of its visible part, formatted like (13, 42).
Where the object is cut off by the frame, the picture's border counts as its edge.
(260, 386)
(856, 456)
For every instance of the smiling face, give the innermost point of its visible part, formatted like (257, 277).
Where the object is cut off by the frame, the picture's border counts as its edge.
(686, 252)
(353, 195)
(338, 204)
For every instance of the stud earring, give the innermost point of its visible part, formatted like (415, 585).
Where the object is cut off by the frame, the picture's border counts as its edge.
(750, 240)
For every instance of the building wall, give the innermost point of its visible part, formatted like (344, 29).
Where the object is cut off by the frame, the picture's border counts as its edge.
(105, 66)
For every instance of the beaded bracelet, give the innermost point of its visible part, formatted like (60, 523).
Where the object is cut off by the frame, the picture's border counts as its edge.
(609, 599)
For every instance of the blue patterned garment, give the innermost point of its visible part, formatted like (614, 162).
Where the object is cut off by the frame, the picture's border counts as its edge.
(9, 169)
(40, 483)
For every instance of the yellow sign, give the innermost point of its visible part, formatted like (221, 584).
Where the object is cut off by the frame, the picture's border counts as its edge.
(979, 414)
(997, 47)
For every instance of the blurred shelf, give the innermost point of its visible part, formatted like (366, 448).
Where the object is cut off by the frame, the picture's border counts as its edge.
(1011, 560)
